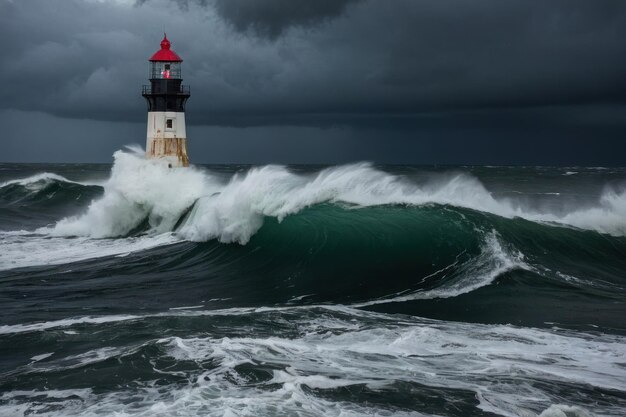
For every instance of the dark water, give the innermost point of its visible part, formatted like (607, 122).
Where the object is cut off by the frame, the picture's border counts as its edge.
(135, 290)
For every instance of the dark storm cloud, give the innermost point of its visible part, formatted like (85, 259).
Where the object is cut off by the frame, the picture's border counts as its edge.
(322, 63)
(271, 17)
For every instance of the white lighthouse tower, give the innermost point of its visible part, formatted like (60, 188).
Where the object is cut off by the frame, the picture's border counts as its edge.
(166, 96)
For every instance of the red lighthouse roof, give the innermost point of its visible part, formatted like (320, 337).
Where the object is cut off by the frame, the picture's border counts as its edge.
(165, 53)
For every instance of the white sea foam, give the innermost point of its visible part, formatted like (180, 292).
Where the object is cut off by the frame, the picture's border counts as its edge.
(41, 357)
(23, 249)
(94, 320)
(509, 369)
(560, 410)
(434, 354)
(47, 325)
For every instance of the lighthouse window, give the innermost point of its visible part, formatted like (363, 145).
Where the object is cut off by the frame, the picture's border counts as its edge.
(169, 123)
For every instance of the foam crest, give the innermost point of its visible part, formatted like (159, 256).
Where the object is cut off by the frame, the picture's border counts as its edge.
(480, 271)
(141, 190)
(38, 181)
(237, 212)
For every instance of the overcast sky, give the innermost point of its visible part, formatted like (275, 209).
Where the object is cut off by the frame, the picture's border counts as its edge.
(322, 81)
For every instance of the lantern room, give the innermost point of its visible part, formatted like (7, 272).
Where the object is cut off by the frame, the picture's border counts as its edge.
(165, 63)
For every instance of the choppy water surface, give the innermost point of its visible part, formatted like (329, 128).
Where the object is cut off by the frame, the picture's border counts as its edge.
(136, 290)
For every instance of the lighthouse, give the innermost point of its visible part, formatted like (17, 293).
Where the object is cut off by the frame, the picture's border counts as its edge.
(166, 97)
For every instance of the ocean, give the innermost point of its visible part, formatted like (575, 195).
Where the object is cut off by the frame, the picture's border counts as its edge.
(132, 289)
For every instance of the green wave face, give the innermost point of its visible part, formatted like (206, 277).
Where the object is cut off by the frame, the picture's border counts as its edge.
(410, 254)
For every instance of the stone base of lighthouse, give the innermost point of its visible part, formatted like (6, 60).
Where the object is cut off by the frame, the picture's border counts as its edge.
(167, 138)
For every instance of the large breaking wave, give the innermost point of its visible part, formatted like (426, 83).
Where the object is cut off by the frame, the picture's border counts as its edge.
(439, 237)
(233, 209)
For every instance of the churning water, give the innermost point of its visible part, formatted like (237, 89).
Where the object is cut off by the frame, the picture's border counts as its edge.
(137, 290)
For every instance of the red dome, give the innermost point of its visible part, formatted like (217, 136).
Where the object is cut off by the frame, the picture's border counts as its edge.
(165, 53)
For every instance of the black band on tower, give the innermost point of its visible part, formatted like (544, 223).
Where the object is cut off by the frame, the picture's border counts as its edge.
(166, 95)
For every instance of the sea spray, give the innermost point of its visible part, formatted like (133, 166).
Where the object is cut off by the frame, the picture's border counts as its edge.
(138, 189)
